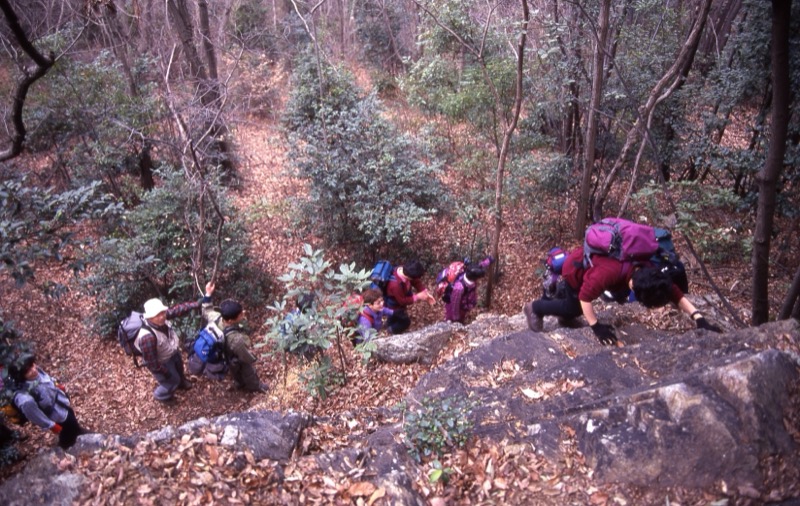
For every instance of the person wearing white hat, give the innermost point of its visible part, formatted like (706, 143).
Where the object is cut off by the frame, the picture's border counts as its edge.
(160, 347)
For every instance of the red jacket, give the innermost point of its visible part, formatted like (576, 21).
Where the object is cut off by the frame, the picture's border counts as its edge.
(399, 293)
(605, 273)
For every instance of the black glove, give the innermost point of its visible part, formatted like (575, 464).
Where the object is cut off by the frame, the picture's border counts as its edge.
(605, 333)
(702, 323)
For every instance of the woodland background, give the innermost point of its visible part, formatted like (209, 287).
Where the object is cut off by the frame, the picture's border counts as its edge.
(148, 147)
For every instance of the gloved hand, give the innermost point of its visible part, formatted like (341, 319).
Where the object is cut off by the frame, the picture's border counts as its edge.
(605, 333)
(702, 323)
(56, 428)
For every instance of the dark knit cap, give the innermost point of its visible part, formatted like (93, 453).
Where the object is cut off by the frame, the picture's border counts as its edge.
(413, 269)
(230, 309)
(20, 367)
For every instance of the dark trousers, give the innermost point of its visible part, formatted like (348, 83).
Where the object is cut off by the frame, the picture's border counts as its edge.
(399, 321)
(565, 305)
(70, 430)
(244, 375)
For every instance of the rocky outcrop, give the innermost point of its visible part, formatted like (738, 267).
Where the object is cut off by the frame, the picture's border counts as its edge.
(666, 410)
(691, 409)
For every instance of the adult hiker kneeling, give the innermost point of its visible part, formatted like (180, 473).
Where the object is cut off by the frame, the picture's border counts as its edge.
(160, 346)
(581, 285)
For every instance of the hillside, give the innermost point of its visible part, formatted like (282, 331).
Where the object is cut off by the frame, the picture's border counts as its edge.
(112, 397)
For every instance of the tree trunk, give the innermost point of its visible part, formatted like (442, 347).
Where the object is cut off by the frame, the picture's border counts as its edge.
(768, 177)
(591, 119)
(181, 21)
(205, 33)
(792, 299)
(501, 162)
(30, 76)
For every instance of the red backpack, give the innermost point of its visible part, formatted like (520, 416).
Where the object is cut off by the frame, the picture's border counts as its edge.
(446, 278)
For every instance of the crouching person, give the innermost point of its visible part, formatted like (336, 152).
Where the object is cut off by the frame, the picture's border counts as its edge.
(237, 348)
(160, 346)
(371, 316)
(651, 287)
(44, 402)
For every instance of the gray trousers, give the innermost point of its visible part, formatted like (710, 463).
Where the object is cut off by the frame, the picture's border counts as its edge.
(169, 381)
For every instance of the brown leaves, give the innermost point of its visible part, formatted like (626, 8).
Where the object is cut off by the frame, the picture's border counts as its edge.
(547, 389)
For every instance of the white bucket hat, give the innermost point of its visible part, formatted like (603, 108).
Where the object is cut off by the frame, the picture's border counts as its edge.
(153, 307)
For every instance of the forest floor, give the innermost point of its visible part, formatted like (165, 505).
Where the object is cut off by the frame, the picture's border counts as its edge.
(112, 396)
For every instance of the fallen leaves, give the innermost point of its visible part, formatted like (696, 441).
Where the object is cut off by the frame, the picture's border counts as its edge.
(546, 390)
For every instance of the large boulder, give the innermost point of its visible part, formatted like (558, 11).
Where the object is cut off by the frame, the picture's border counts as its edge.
(421, 346)
(686, 410)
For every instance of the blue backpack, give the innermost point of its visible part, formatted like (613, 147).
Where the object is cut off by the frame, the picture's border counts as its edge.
(209, 344)
(381, 275)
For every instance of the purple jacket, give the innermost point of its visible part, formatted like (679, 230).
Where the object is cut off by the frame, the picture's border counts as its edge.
(369, 319)
(463, 298)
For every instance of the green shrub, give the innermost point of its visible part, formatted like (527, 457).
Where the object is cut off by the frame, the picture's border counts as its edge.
(38, 223)
(321, 377)
(85, 116)
(438, 425)
(700, 205)
(320, 326)
(155, 249)
(368, 183)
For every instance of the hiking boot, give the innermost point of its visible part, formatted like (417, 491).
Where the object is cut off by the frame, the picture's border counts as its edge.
(262, 388)
(185, 385)
(535, 322)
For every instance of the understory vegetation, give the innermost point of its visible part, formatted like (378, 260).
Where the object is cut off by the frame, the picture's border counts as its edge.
(130, 157)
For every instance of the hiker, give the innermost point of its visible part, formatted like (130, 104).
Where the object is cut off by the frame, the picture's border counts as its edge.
(43, 401)
(580, 286)
(371, 316)
(160, 346)
(237, 345)
(403, 289)
(464, 292)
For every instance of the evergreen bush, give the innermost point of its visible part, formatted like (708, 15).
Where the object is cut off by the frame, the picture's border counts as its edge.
(368, 183)
(438, 425)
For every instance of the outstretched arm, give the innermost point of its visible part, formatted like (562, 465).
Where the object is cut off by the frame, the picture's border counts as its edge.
(588, 313)
(687, 307)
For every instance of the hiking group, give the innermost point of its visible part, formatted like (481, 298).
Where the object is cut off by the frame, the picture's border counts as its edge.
(619, 261)
(221, 346)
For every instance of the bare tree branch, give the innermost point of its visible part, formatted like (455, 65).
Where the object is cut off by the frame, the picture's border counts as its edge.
(30, 76)
(670, 80)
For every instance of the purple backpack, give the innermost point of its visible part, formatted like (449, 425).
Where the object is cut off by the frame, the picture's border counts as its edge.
(621, 239)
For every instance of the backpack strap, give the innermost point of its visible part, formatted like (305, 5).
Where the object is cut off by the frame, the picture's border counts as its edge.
(367, 316)
(152, 332)
(226, 351)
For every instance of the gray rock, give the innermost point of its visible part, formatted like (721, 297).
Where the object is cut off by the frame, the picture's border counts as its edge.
(268, 434)
(420, 346)
(42, 483)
